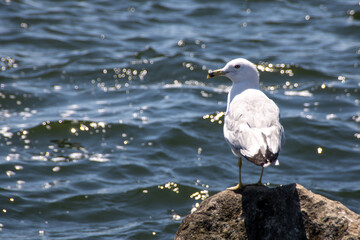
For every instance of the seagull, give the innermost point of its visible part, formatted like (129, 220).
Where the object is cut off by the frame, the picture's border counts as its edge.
(252, 125)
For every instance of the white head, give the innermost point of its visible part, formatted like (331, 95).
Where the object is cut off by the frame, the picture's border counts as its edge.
(239, 70)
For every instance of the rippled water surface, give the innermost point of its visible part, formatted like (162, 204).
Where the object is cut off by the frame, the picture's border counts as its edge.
(109, 128)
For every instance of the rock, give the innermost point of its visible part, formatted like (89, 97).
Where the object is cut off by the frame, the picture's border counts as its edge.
(256, 212)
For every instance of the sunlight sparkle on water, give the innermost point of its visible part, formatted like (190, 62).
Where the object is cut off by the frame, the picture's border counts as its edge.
(18, 167)
(203, 194)
(195, 207)
(282, 68)
(176, 217)
(319, 150)
(98, 157)
(7, 63)
(56, 169)
(304, 93)
(217, 118)
(171, 186)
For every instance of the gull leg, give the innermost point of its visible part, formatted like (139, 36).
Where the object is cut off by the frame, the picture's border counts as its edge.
(240, 185)
(259, 182)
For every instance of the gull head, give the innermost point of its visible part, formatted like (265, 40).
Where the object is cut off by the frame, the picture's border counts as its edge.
(238, 70)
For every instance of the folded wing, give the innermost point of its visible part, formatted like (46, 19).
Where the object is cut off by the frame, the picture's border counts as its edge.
(252, 127)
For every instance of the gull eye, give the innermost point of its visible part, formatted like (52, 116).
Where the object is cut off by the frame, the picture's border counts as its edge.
(237, 66)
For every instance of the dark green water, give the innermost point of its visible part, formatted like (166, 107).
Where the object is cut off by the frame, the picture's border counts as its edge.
(109, 128)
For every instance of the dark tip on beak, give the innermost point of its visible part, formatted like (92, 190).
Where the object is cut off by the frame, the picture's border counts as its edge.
(210, 74)
(215, 73)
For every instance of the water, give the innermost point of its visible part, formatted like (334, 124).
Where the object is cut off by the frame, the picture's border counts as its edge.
(109, 128)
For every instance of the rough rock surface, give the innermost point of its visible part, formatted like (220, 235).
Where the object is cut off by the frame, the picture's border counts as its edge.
(286, 212)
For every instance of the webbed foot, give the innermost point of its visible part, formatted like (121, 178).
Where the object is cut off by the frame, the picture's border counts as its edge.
(237, 187)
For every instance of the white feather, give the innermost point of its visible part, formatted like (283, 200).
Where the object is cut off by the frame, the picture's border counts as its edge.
(252, 122)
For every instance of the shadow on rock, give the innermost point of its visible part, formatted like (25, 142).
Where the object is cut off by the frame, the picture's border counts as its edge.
(272, 213)
(256, 212)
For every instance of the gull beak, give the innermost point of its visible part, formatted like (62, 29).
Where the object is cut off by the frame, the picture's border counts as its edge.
(215, 73)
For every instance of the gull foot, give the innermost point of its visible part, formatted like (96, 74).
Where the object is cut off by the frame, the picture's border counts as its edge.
(242, 186)
(237, 187)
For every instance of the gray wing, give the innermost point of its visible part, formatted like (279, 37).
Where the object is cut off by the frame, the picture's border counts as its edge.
(252, 127)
